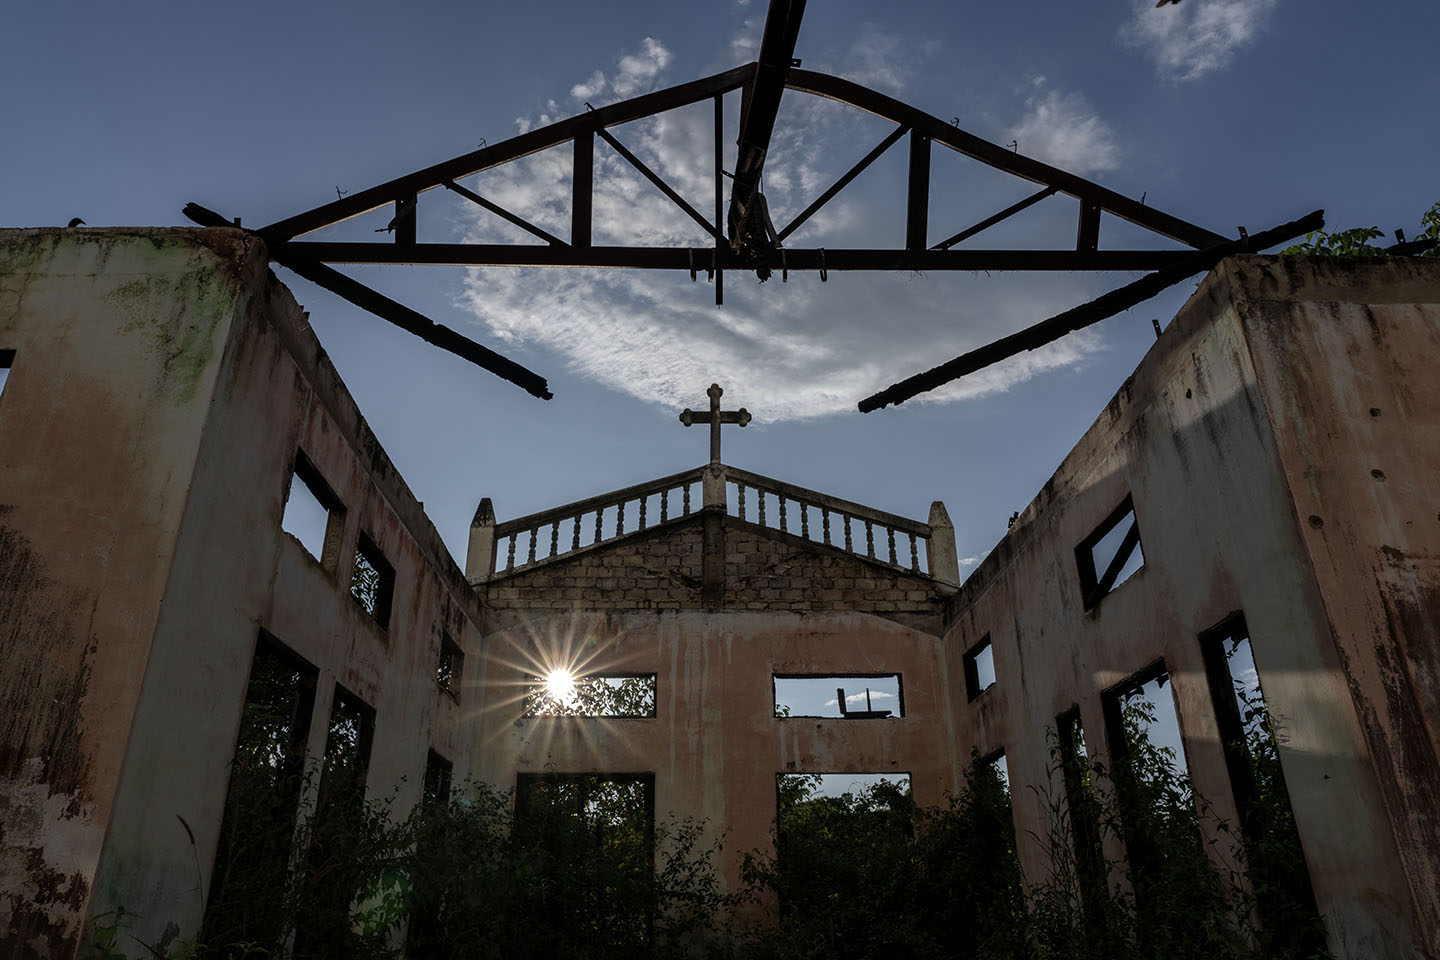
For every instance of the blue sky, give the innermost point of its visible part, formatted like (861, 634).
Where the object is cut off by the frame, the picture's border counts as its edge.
(1225, 112)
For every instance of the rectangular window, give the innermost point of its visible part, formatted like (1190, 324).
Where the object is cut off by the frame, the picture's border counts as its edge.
(1086, 816)
(7, 360)
(339, 817)
(313, 514)
(1110, 555)
(850, 696)
(563, 694)
(1249, 733)
(1158, 820)
(597, 825)
(979, 668)
(437, 781)
(372, 583)
(257, 832)
(839, 838)
(450, 671)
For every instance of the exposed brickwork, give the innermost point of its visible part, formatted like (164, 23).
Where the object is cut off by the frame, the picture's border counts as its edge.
(768, 570)
(764, 570)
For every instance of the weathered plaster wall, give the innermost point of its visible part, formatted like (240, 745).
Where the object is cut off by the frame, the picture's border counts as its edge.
(1197, 438)
(160, 492)
(1345, 356)
(116, 335)
(715, 745)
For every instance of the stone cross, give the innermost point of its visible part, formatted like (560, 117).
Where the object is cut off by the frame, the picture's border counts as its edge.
(715, 417)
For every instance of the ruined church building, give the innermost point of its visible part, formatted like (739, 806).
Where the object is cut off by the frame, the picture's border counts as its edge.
(1267, 478)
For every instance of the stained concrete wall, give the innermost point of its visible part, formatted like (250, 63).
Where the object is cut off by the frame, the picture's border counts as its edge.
(163, 383)
(715, 745)
(1247, 441)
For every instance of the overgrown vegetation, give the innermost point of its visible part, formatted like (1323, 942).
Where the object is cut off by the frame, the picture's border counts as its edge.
(579, 872)
(1355, 242)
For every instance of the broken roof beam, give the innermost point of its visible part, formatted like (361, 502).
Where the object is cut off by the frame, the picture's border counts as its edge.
(1047, 331)
(533, 141)
(871, 101)
(759, 108)
(397, 313)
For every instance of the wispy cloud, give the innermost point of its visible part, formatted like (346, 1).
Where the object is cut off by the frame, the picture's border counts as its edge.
(786, 350)
(1064, 130)
(860, 697)
(1189, 40)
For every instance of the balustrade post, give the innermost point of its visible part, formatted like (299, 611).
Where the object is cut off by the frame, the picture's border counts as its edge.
(804, 519)
(782, 513)
(870, 539)
(943, 562)
(825, 523)
(480, 555)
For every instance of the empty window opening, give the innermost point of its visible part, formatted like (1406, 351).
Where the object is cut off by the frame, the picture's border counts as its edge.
(592, 825)
(850, 696)
(252, 860)
(565, 694)
(1085, 814)
(438, 772)
(450, 670)
(339, 817)
(372, 583)
(1000, 768)
(7, 360)
(1158, 820)
(313, 514)
(979, 668)
(837, 834)
(1250, 735)
(1110, 555)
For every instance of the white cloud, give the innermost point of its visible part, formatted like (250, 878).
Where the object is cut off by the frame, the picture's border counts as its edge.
(860, 697)
(789, 350)
(1189, 40)
(1062, 129)
(637, 70)
(589, 89)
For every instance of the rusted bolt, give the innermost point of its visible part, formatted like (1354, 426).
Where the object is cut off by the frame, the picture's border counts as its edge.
(1374, 411)
(1378, 474)
(1316, 522)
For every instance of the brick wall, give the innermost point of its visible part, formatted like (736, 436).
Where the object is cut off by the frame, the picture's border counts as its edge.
(661, 569)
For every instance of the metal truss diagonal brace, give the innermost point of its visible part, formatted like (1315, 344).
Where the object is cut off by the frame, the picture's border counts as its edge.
(1096, 310)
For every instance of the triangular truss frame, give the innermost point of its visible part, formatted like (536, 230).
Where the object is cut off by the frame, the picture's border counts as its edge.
(743, 238)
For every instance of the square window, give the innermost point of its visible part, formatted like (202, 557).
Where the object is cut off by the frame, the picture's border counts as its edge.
(372, 582)
(979, 668)
(1110, 555)
(313, 514)
(450, 671)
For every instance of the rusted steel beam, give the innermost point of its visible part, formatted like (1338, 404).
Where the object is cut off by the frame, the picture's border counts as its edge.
(758, 110)
(848, 92)
(719, 195)
(1084, 315)
(1087, 234)
(582, 190)
(525, 144)
(917, 205)
(413, 322)
(844, 181)
(990, 221)
(702, 258)
(655, 178)
(504, 214)
(387, 309)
